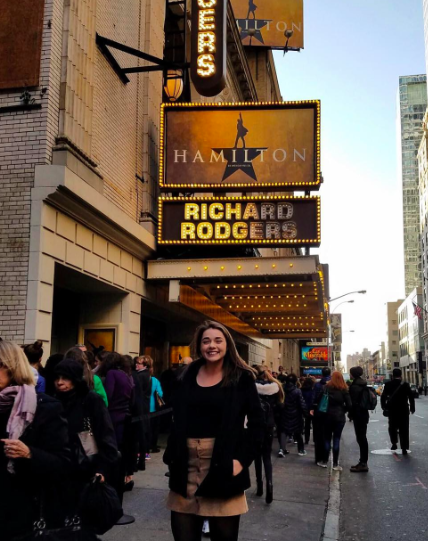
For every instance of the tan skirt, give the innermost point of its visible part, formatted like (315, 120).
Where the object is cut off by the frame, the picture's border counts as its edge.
(200, 454)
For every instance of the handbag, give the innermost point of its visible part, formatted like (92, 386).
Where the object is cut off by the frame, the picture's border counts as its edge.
(159, 401)
(87, 439)
(386, 411)
(99, 506)
(323, 404)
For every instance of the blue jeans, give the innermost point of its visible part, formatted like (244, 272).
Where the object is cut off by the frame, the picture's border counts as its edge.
(332, 429)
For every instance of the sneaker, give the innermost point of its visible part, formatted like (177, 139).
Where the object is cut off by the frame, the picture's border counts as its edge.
(148, 457)
(322, 464)
(404, 451)
(281, 454)
(359, 468)
(394, 447)
(302, 453)
(337, 468)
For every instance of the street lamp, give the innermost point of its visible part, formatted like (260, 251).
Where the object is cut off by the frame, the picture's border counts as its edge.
(361, 292)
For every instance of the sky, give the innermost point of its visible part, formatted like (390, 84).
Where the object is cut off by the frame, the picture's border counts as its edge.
(355, 51)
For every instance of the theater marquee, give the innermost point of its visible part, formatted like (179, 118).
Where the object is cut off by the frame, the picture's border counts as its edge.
(259, 220)
(241, 145)
(264, 23)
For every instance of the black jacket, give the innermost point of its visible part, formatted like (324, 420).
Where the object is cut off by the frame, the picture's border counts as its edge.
(292, 411)
(356, 389)
(43, 473)
(90, 405)
(399, 405)
(233, 443)
(339, 402)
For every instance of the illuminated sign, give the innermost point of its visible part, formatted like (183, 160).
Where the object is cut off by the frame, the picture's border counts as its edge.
(311, 371)
(314, 354)
(270, 23)
(208, 57)
(283, 220)
(241, 145)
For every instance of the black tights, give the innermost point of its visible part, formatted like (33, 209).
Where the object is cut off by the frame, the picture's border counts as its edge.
(265, 457)
(189, 527)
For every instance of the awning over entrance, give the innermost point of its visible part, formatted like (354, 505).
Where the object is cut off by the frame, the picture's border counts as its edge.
(267, 297)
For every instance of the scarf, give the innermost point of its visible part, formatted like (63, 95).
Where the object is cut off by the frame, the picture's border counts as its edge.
(22, 401)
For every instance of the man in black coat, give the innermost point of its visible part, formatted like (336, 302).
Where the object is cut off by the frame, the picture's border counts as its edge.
(360, 416)
(396, 398)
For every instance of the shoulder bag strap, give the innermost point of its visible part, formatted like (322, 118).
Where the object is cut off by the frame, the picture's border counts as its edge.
(395, 392)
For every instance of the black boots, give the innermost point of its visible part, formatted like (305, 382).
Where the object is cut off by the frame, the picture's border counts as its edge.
(269, 491)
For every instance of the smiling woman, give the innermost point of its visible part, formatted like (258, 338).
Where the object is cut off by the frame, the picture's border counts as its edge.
(209, 449)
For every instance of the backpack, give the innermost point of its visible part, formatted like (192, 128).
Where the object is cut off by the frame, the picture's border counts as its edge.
(368, 399)
(268, 417)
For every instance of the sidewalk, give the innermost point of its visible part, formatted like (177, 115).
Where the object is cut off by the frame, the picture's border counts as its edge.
(298, 510)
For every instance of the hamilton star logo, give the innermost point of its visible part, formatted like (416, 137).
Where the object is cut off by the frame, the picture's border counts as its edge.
(251, 27)
(239, 158)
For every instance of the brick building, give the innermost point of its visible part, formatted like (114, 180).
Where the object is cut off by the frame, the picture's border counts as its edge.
(78, 179)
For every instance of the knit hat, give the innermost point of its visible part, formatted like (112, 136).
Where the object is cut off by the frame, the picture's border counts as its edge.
(356, 371)
(70, 369)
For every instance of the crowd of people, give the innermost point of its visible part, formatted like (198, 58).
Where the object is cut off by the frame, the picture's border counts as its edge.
(94, 416)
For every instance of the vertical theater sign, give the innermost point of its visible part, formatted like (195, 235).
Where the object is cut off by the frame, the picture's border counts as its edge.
(208, 50)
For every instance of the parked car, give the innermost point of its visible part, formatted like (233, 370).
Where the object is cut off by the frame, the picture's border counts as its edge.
(414, 390)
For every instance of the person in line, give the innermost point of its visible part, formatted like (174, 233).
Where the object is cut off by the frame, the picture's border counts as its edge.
(209, 449)
(49, 372)
(34, 455)
(291, 417)
(34, 354)
(271, 394)
(85, 411)
(154, 420)
(317, 416)
(119, 386)
(396, 398)
(282, 374)
(339, 403)
(93, 380)
(360, 416)
(141, 379)
(308, 395)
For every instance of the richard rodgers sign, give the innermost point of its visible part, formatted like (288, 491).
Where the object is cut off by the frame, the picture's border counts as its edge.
(274, 146)
(259, 220)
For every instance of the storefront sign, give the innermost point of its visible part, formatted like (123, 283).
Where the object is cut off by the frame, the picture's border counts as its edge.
(269, 23)
(208, 57)
(283, 220)
(311, 371)
(251, 146)
(314, 354)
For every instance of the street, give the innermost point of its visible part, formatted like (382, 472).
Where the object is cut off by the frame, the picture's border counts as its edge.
(390, 502)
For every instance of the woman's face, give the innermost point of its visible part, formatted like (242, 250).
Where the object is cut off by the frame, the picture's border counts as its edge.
(5, 377)
(63, 384)
(213, 345)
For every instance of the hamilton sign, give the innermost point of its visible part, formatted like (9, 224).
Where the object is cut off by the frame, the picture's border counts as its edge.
(277, 24)
(258, 220)
(263, 145)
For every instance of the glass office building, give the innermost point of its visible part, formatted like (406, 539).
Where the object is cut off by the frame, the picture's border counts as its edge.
(412, 105)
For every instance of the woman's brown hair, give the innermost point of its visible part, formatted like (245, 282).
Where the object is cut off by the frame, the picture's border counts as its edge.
(264, 374)
(233, 364)
(337, 382)
(34, 352)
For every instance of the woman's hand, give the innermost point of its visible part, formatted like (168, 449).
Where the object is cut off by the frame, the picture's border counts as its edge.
(16, 449)
(311, 413)
(237, 468)
(101, 476)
